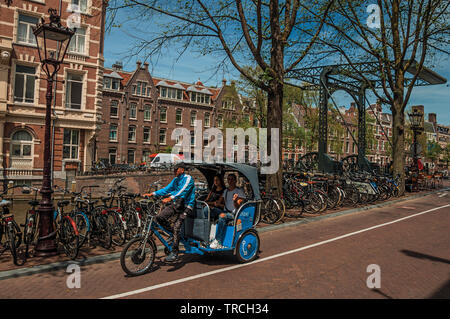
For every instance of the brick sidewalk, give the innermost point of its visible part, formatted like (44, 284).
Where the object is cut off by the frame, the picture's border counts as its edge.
(85, 253)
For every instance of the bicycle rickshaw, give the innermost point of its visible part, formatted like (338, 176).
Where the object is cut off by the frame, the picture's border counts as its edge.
(241, 237)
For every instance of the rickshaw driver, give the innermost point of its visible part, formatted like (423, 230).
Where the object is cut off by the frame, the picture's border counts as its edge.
(181, 192)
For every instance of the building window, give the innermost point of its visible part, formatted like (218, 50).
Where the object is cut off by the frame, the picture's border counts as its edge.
(113, 133)
(21, 143)
(114, 111)
(81, 5)
(199, 98)
(130, 157)
(220, 121)
(112, 154)
(110, 84)
(207, 119)
(71, 143)
(24, 84)
(74, 89)
(133, 111)
(132, 134)
(192, 138)
(171, 93)
(162, 136)
(179, 116)
(106, 83)
(78, 41)
(147, 113)
(25, 31)
(163, 115)
(228, 104)
(146, 135)
(193, 118)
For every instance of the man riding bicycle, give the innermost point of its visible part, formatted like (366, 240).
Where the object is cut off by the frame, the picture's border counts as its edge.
(181, 196)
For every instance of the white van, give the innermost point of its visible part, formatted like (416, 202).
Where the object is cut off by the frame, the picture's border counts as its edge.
(164, 159)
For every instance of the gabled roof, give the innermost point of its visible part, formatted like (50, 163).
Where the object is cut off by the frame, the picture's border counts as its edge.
(124, 76)
(114, 75)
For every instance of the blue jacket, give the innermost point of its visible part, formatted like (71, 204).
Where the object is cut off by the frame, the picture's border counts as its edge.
(181, 186)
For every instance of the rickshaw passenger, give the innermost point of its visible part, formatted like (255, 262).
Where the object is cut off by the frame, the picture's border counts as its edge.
(214, 195)
(181, 192)
(232, 198)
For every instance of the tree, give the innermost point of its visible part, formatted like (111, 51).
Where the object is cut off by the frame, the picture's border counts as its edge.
(410, 34)
(276, 36)
(433, 151)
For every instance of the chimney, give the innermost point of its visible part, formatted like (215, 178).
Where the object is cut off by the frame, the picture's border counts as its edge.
(118, 66)
(138, 65)
(224, 82)
(146, 65)
(432, 118)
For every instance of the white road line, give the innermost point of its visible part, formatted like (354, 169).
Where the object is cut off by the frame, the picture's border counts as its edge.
(443, 195)
(174, 282)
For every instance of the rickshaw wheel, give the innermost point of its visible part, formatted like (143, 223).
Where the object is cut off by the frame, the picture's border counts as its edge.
(247, 248)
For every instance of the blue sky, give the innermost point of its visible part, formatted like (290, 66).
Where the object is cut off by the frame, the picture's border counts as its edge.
(192, 67)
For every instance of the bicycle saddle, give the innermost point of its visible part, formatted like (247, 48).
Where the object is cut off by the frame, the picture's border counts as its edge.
(63, 203)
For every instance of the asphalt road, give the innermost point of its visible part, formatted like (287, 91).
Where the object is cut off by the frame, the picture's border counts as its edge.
(408, 243)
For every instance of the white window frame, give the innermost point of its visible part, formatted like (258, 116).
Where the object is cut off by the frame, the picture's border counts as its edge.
(71, 144)
(114, 153)
(30, 40)
(111, 130)
(26, 78)
(68, 90)
(134, 133)
(165, 112)
(111, 107)
(149, 135)
(21, 144)
(74, 46)
(147, 110)
(193, 119)
(165, 136)
(181, 116)
(207, 120)
(133, 106)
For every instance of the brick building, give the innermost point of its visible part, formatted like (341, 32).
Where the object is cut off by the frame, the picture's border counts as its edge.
(340, 143)
(77, 101)
(140, 112)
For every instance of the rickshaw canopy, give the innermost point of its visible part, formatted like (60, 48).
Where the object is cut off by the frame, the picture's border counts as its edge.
(210, 170)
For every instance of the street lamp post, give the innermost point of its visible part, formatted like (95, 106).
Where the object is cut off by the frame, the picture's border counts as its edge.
(416, 126)
(52, 41)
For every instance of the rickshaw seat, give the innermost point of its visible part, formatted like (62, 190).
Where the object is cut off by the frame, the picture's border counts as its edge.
(197, 227)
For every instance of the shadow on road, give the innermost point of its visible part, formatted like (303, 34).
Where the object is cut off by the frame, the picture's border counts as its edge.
(424, 256)
(442, 293)
(382, 293)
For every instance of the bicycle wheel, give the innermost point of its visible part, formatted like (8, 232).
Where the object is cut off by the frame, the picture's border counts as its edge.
(103, 231)
(133, 223)
(283, 208)
(314, 202)
(69, 238)
(116, 224)
(29, 230)
(15, 239)
(83, 226)
(138, 256)
(272, 211)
